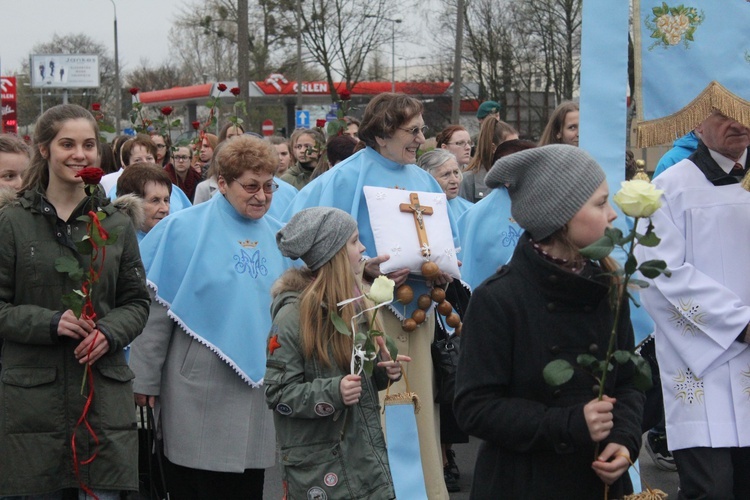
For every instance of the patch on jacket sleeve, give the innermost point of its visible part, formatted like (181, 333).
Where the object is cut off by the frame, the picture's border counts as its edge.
(284, 409)
(324, 409)
(273, 344)
(316, 493)
(331, 479)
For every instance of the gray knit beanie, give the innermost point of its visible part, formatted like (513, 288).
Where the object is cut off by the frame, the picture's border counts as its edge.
(547, 185)
(315, 235)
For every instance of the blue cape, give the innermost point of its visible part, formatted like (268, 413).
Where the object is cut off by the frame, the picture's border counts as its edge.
(213, 269)
(489, 235)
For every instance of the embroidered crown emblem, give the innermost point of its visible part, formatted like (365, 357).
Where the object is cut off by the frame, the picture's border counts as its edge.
(248, 243)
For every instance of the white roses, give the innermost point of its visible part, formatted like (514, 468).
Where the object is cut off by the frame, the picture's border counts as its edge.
(638, 198)
(381, 290)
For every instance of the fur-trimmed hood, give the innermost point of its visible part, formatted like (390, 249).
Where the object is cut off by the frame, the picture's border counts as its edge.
(129, 204)
(293, 280)
(132, 206)
(7, 196)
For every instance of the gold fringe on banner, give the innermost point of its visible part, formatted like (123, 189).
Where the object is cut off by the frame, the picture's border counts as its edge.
(714, 97)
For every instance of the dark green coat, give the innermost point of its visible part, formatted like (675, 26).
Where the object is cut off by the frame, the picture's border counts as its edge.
(324, 445)
(40, 381)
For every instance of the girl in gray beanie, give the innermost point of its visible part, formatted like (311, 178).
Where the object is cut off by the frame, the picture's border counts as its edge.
(548, 303)
(327, 420)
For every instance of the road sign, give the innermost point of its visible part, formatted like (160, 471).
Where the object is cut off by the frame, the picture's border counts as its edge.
(267, 127)
(302, 118)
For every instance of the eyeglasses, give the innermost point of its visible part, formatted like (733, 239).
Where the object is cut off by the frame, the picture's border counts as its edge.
(416, 130)
(252, 188)
(181, 158)
(462, 144)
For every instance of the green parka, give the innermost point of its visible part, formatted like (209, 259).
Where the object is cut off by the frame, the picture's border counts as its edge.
(325, 446)
(40, 381)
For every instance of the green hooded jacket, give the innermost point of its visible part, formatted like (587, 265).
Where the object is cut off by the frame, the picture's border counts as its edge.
(40, 381)
(326, 448)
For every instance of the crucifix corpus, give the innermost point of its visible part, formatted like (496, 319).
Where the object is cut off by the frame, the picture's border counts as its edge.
(418, 211)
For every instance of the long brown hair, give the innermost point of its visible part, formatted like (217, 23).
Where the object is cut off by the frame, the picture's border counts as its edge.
(556, 122)
(492, 133)
(47, 128)
(333, 282)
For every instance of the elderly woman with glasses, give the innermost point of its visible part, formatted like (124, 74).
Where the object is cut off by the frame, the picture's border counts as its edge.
(181, 174)
(392, 131)
(201, 359)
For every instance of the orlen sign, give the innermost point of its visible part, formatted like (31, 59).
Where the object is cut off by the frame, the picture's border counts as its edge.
(8, 104)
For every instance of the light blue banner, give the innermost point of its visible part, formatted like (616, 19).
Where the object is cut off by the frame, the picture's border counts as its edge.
(685, 45)
(604, 87)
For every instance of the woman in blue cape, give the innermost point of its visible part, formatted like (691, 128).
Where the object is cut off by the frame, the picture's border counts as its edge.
(202, 358)
(393, 131)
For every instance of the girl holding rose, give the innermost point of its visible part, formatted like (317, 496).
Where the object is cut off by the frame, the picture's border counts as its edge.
(47, 347)
(548, 303)
(326, 417)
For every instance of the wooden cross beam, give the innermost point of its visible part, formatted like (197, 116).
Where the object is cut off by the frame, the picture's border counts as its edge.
(418, 211)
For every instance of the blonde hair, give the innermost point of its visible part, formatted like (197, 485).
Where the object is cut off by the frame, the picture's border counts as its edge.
(332, 283)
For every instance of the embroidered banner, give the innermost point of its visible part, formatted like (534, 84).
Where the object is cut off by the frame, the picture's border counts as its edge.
(691, 56)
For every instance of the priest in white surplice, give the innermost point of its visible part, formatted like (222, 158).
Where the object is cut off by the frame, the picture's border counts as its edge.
(702, 311)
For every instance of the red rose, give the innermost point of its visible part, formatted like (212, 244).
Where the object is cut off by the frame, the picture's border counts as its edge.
(196, 125)
(134, 90)
(91, 175)
(96, 106)
(235, 91)
(345, 95)
(221, 87)
(166, 110)
(320, 122)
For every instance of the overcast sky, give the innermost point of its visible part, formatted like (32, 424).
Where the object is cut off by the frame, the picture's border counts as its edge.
(143, 28)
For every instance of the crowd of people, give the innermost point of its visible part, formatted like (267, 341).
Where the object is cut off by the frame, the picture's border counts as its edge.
(213, 306)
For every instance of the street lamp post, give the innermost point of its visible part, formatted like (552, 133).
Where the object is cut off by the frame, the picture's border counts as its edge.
(393, 46)
(118, 90)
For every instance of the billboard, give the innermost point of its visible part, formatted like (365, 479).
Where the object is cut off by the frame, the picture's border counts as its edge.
(8, 105)
(65, 71)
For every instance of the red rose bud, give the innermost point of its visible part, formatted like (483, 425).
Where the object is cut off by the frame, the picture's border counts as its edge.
(345, 95)
(196, 125)
(91, 175)
(235, 91)
(320, 122)
(221, 87)
(134, 90)
(96, 106)
(166, 110)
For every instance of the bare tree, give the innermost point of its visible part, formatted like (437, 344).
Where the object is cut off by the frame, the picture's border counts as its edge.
(205, 53)
(340, 34)
(147, 78)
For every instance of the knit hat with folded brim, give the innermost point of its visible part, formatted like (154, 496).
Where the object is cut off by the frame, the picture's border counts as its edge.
(315, 235)
(547, 185)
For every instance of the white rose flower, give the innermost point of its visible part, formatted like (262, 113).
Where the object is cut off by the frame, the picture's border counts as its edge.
(638, 198)
(674, 38)
(381, 290)
(663, 21)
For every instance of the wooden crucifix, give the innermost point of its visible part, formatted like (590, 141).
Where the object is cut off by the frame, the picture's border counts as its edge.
(418, 211)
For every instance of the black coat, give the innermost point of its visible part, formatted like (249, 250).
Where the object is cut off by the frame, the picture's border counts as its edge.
(536, 442)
